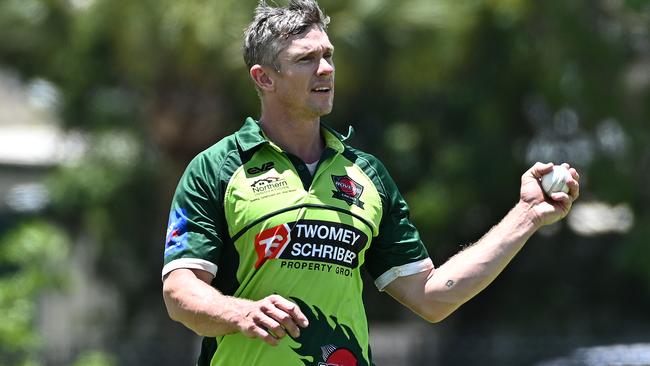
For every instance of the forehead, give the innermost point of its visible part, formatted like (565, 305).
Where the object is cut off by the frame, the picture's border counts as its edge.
(314, 39)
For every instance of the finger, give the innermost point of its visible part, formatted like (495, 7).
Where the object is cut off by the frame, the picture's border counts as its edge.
(268, 338)
(256, 331)
(561, 197)
(539, 169)
(285, 320)
(292, 309)
(272, 326)
(574, 188)
(574, 173)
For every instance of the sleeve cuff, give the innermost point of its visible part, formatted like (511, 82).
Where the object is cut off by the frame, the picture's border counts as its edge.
(191, 263)
(400, 271)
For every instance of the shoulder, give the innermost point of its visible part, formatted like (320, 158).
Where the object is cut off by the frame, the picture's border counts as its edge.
(217, 159)
(218, 153)
(372, 166)
(363, 158)
(211, 169)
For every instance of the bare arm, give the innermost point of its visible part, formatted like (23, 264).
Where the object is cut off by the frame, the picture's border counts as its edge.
(436, 293)
(191, 301)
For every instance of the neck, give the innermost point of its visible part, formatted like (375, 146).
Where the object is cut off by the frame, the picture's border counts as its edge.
(300, 137)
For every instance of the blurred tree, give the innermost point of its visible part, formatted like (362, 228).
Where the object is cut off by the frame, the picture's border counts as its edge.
(457, 98)
(31, 260)
(94, 359)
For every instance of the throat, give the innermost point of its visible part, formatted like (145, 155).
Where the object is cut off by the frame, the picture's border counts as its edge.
(312, 167)
(303, 139)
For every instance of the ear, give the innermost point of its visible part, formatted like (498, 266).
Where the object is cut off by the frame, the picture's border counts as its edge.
(262, 78)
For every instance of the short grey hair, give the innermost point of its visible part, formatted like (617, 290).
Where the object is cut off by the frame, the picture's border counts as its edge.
(266, 36)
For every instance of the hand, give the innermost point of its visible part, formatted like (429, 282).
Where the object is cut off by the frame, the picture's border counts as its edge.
(271, 318)
(547, 210)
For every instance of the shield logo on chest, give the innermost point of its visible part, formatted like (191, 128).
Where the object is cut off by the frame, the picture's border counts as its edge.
(347, 190)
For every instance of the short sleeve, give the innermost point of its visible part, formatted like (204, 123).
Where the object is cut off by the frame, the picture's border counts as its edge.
(397, 250)
(194, 238)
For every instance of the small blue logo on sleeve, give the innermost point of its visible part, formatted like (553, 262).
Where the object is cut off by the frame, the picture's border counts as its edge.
(176, 232)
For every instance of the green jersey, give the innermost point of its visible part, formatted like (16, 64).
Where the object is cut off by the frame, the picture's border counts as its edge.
(255, 217)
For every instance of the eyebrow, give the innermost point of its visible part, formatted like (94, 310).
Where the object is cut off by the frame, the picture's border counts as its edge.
(309, 51)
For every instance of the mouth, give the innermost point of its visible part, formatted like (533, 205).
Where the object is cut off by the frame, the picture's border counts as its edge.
(322, 89)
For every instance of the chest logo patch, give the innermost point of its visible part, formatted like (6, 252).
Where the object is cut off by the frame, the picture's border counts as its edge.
(348, 190)
(264, 168)
(271, 242)
(320, 242)
(270, 186)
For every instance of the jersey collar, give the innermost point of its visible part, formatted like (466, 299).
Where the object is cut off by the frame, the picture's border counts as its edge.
(251, 136)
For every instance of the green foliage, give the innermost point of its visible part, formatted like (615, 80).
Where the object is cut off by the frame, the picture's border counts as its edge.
(458, 98)
(97, 178)
(94, 358)
(31, 260)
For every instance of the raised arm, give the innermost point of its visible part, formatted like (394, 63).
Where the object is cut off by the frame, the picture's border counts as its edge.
(437, 292)
(191, 301)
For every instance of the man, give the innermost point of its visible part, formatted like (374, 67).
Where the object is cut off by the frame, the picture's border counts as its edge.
(270, 226)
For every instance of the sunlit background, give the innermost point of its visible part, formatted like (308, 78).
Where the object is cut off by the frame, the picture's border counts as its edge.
(103, 103)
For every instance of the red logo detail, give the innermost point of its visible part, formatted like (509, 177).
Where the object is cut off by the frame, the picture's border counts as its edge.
(342, 357)
(348, 186)
(334, 356)
(347, 190)
(271, 242)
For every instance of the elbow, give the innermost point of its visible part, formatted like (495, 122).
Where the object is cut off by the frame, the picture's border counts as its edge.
(171, 304)
(434, 318)
(173, 313)
(184, 302)
(172, 297)
(436, 313)
(180, 314)
(177, 314)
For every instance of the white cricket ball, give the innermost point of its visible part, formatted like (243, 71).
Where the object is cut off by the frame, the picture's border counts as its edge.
(555, 181)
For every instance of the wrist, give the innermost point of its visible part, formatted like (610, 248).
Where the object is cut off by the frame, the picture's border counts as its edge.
(528, 214)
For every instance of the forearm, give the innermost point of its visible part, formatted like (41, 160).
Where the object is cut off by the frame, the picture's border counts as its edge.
(471, 270)
(203, 309)
(436, 293)
(199, 306)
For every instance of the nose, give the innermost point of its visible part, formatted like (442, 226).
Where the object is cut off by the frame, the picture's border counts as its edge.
(325, 67)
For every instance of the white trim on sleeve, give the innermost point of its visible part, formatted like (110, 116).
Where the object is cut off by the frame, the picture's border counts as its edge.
(191, 263)
(400, 271)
